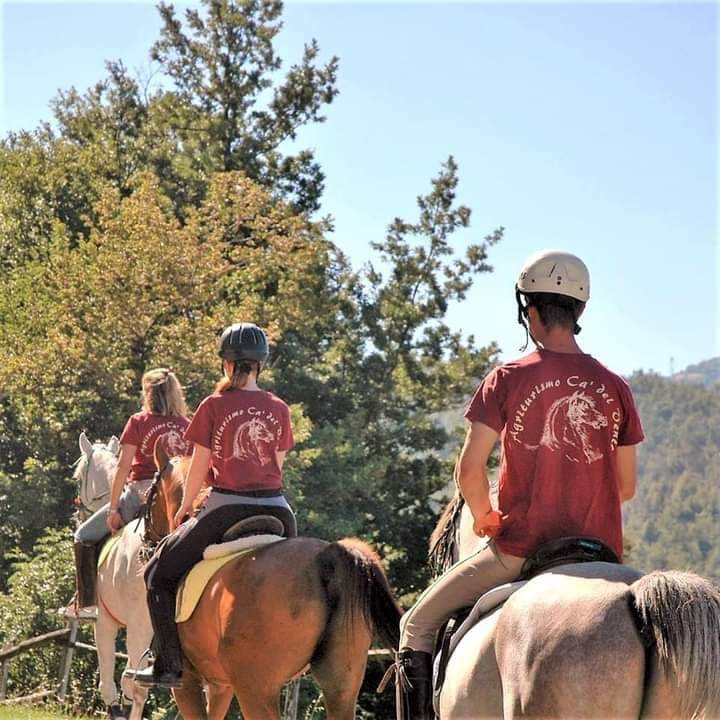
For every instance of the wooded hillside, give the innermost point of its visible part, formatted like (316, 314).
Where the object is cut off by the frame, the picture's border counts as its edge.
(674, 520)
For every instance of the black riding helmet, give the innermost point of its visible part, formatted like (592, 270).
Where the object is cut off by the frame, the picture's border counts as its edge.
(243, 341)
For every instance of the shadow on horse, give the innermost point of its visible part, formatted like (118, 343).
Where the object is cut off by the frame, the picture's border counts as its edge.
(120, 587)
(591, 640)
(268, 615)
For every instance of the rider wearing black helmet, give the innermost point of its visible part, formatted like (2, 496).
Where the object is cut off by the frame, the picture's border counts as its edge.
(241, 434)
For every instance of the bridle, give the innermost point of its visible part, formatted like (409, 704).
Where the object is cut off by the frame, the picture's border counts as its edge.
(151, 536)
(82, 481)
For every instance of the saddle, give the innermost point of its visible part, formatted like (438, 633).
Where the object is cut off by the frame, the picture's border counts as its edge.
(241, 538)
(563, 551)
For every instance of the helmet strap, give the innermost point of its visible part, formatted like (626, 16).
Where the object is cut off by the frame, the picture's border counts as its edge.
(521, 318)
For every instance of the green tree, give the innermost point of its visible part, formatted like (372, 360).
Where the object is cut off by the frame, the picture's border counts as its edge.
(218, 102)
(144, 289)
(391, 368)
(674, 520)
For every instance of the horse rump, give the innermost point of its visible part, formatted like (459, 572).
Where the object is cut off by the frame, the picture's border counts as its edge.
(355, 584)
(678, 616)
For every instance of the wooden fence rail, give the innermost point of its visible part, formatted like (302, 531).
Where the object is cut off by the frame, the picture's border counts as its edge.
(66, 637)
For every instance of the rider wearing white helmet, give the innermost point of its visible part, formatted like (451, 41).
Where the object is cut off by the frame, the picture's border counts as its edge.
(568, 428)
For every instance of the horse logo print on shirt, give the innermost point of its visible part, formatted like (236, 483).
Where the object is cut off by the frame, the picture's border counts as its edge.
(570, 420)
(254, 440)
(175, 444)
(567, 424)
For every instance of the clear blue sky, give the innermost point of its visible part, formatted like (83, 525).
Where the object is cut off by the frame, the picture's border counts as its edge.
(586, 127)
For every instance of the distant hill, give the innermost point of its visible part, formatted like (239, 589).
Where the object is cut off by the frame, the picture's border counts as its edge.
(674, 520)
(704, 373)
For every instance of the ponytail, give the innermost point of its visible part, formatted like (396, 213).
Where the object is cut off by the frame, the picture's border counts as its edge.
(240, 376)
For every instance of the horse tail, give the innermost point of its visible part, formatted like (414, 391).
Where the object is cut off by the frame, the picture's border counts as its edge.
(356, 586)
(678, 613)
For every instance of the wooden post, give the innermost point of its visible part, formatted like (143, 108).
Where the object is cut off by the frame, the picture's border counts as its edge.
(4, 678)
(67, 661)
(292, 699)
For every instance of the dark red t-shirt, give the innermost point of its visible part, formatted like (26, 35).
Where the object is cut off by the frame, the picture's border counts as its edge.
(142, 430)
(560, 417)
(244, 429)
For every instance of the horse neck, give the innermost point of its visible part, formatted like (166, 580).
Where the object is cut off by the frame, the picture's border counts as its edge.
(170, 497)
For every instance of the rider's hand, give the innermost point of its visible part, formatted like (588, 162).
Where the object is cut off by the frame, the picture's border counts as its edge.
(180, 515)
(114, 521)
(489, 525)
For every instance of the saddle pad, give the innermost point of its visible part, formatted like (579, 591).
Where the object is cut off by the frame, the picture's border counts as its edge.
(487, 602)
(193, 584)
(108, 545)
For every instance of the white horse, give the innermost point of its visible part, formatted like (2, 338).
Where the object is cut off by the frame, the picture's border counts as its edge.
(569, 643)
(120, 587)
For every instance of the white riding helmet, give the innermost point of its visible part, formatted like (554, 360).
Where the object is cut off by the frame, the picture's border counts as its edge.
(555, 271)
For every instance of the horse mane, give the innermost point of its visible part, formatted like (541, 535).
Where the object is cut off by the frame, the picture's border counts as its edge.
(442, 540)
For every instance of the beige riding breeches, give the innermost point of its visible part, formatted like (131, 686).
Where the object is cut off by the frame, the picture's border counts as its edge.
(459, 587)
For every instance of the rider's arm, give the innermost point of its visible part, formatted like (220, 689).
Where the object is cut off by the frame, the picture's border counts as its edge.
(114, 519)
(625, 468)
(127, 453)
(195, 480)
(471, 471)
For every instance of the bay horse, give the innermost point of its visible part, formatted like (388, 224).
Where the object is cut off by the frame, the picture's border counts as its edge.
(269, 614)
(120, 587)
(591, 640)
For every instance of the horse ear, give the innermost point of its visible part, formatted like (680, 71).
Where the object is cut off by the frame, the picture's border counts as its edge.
(85, 444)
(161, 456)
(114, 445)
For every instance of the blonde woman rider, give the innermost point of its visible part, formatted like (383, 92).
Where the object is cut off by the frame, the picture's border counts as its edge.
(568, 431)
(163, 414)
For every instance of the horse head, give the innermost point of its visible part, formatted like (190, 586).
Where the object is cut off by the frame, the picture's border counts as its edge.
(166, 493)
(582, 411)
(94, 471)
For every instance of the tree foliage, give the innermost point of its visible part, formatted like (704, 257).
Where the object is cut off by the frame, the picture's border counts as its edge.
(145, 221)
(217, 101)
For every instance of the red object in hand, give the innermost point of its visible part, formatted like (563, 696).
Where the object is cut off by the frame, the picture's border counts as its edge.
(491, 524)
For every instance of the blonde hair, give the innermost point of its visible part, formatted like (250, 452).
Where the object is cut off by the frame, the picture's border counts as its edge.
(162, 393)
(240, 375)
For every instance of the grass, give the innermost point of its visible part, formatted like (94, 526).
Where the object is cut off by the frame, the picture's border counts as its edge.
(21, 712)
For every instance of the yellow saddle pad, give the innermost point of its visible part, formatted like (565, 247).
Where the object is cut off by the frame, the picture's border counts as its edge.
(191, 588)
(108, 545)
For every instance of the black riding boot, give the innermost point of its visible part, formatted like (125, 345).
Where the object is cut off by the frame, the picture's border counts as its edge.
(413, 691)
(166, 671)
(86, 557)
